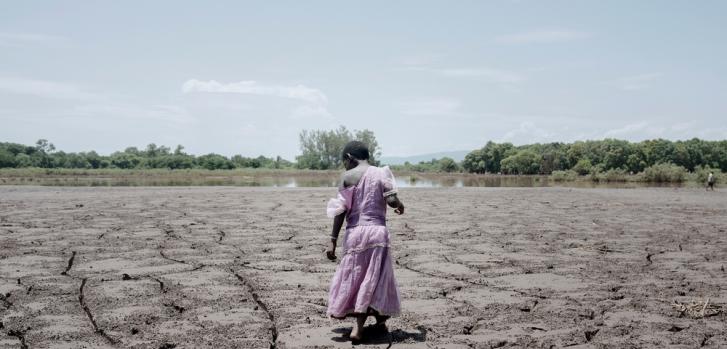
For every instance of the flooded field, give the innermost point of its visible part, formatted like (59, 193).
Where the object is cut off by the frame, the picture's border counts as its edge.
(241, 267)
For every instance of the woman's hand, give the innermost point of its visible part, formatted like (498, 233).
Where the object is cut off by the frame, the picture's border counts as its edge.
(331, 251)
(394, 202)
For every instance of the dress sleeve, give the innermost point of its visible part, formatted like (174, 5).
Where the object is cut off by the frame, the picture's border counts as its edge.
(340, 204)
(389, 182)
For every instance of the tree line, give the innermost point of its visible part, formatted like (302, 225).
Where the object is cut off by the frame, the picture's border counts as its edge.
(44, 155)
(321, 150)
(585, 157)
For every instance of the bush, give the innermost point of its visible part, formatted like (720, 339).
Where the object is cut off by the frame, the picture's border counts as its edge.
(595, 173)
(524, 162)
(564, 176)
(583, 167)
(615, 175)
(446, 164)
(703, 172)
(665, 173)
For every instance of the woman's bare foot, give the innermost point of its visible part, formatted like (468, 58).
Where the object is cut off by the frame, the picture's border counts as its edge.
(358, 328)
(381, 321)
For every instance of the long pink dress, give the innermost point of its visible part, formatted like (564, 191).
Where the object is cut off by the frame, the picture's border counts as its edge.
(364, 281)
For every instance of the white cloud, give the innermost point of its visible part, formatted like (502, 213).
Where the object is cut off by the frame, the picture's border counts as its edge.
(636, 82)
(431, 107)
(79, 102)
(542, 36)
(45, 89)
(638, 127)
(24, 39)
(527, 132)
(316, 101)
(682, 126)
(300, 92)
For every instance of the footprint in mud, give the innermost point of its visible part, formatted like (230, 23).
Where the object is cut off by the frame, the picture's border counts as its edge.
(373, 334)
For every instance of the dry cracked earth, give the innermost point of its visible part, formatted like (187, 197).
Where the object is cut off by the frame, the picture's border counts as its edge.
(220, 267)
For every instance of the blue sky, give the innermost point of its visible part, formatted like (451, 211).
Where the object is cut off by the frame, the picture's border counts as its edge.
(425, 76)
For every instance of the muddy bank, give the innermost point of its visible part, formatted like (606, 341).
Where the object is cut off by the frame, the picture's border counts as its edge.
(478, 268)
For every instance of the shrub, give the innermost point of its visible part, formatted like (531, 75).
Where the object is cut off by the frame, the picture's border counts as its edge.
(615, 175)
(665, 173)
(703, 172)
(563, 176)
(583, 167)
(595, 173)
(524, 162)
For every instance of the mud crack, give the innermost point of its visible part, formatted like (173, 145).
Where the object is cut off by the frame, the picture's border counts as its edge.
(20, 335)
(180, 261)
(261, 305)
(70, 263)
(82, 301)
(448, 277)
(162, 288)
(4, 299)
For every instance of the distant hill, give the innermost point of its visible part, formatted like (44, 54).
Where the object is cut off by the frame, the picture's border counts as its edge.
(415, 159)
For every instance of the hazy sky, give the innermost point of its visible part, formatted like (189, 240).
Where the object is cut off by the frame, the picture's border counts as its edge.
(425, 76)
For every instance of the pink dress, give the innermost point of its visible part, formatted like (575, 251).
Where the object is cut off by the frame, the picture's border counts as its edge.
(364, 281)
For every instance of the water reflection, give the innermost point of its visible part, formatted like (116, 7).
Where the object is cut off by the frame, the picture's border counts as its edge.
(308, 179)
(472, 181)
(458, 181)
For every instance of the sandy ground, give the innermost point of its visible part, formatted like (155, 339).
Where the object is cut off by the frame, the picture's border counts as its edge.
(477, 268)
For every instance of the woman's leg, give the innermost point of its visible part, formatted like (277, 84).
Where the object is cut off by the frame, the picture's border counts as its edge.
(381, 319)
(358, 327)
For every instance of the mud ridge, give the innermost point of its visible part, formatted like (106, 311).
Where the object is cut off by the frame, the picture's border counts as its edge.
(86, 309)
(248, 266)
(6, 302)
(162, 288)
(263, 306)
(161, 253)
(20, 335)
(70, 263)
(177, 308)
(455, 278)
(168, 231)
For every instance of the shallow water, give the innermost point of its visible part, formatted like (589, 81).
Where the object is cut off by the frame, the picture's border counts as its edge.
(412, 180)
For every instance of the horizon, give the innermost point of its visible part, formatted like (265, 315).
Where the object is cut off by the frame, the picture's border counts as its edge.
(241, 78)
(383, 156)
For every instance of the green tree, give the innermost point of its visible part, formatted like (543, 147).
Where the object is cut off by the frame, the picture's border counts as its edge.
(475, 161)
(488, 158)
(523, 162)
(23, 160)
(125, 160)
(321, 150)
(215, 162)
(447, 164)
(7, 159)
(583, 167)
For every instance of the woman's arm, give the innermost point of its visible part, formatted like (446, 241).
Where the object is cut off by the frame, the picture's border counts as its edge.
(337, 224)
(394, 202)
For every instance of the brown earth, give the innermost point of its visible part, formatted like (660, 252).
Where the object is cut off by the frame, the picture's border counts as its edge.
(241, 267)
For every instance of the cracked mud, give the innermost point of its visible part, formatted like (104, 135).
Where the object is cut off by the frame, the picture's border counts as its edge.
(244, 268)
